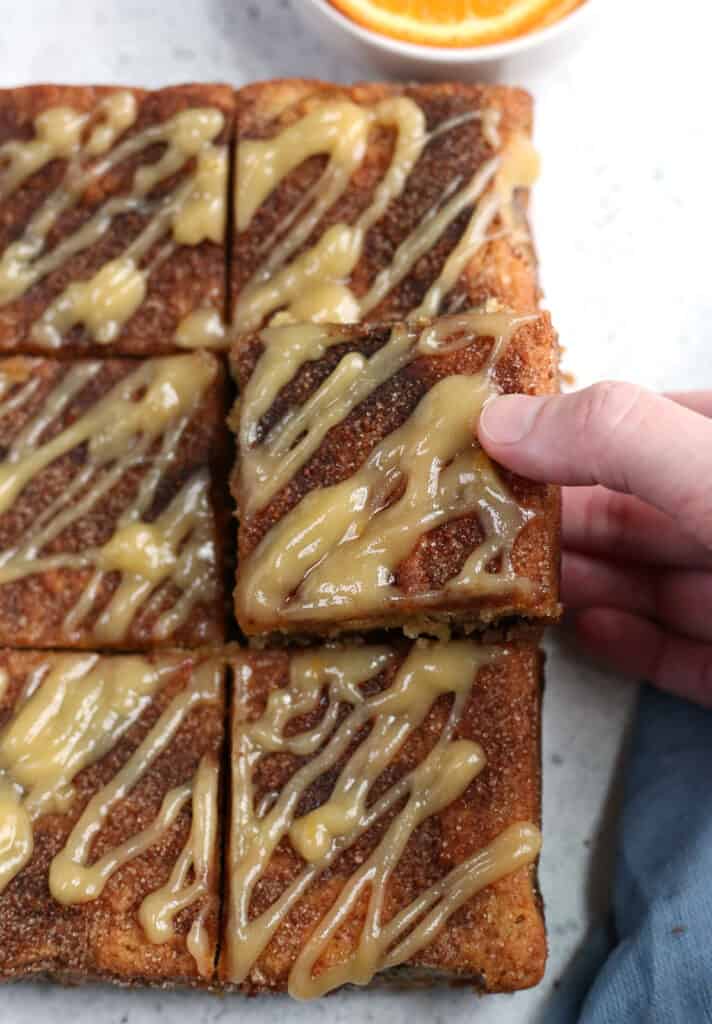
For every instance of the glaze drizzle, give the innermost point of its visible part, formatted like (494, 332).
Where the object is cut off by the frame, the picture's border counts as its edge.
(92, 144)
(294, 283)
(139, 421)
(338, 550)
(323, 834)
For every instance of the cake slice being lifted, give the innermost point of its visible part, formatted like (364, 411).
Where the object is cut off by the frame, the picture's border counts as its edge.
(380, 201)
(113, 205)
(109, 800)
(111, 505)
(364, 499)
(385, 811)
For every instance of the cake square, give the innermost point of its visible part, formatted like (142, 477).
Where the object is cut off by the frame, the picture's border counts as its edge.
(364, 499)
(384, 824)
(380, 201)
(112, 510)
(112, 218)
(110, 784)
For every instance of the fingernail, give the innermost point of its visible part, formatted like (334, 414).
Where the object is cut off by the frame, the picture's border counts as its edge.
(509, 418)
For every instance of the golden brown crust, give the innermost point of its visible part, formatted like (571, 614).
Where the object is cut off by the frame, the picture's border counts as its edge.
(33, 608)
(497, 939)
(190, 278)
(103, 938)
(504, 268)
(529, 365)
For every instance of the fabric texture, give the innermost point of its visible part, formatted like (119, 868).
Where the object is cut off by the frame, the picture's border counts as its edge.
(654, 964)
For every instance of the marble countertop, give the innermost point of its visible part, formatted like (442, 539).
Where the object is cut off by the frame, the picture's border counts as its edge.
(619, 216)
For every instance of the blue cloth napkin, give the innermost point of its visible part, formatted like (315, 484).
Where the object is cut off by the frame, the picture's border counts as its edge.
(653, 964)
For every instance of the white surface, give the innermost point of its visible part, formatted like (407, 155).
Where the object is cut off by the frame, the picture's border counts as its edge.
(404, 58)
(622, 217)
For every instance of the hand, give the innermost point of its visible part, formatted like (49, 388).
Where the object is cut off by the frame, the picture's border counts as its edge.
(637, 520)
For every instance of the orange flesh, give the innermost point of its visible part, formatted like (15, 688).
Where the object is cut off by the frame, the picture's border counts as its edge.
(455, 23)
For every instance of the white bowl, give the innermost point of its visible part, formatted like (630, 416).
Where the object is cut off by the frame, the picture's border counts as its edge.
(411, 60)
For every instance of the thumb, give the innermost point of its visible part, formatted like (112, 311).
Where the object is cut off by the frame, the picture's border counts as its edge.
(618, 435)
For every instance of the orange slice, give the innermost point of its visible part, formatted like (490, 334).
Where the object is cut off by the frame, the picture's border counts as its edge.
(454, 22)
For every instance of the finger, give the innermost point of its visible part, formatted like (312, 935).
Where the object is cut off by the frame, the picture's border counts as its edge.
(643, 650)
(592, 583)
(618, 435)
(698, 401)
(678, 600)
(597, 521)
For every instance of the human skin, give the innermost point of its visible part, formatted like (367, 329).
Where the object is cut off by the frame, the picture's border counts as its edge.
(636, 468)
